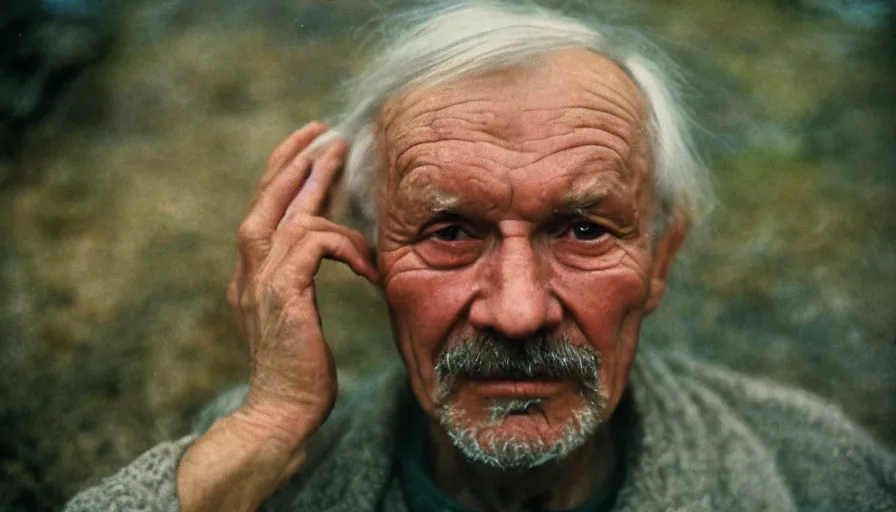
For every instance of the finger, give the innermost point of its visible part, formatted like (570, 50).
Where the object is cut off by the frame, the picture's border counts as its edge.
(295, 142)
(303, 260)
(348, 250)
(306, 224)
(270, 206)
(290, 283)
(289, 148)
(313, 195)
(255, 270)
(285, 187)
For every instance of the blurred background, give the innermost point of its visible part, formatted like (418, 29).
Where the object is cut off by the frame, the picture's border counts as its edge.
(132, 132)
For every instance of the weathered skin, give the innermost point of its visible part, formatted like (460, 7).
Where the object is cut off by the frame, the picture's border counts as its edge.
(244, 458)
(487, 181)
(519, 202)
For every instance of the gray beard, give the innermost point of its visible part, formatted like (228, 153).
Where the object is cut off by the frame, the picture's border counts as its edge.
(537, 357)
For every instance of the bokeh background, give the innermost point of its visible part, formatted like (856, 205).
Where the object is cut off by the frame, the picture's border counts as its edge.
(132, 132)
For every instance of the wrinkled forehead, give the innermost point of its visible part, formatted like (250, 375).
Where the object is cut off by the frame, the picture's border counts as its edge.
(530, 109)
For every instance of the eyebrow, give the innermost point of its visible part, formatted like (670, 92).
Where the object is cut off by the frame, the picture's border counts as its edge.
(584, 198)
(588, 196)
(439, 201)
(433, 198)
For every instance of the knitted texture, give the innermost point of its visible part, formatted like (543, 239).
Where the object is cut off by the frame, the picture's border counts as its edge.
(702, 438)
(145, 485)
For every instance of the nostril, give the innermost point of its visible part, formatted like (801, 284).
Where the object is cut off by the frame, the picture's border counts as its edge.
(516, 309)
(520, 318)
(510, 319)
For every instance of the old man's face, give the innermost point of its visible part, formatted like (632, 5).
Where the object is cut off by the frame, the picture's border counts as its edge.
(514, 240)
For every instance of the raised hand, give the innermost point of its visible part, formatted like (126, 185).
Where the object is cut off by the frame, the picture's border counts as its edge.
(282, 242)
(292, 388)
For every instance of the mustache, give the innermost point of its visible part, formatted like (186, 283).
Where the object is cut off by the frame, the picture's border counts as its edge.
(491, 356)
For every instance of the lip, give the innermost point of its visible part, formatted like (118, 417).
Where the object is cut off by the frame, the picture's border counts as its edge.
(528, 388)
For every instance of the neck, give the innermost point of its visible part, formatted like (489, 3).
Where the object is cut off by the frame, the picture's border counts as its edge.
(557, 485)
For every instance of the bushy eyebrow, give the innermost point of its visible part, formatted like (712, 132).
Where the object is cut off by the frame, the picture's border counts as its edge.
(580, 199)
(428, 195)
(603, 198)
(434, 191)
(439, 201)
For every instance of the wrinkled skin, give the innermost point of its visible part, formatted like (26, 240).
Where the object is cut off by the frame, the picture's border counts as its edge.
(521, 202)
(518, 202)
(245, 457)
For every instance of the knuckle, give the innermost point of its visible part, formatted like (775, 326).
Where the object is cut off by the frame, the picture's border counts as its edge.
(346, 247)
(298, 226)
(250, 236)
(247, 231)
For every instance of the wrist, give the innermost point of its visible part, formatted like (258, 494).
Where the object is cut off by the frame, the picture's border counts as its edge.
(273, 422)
(235, 465)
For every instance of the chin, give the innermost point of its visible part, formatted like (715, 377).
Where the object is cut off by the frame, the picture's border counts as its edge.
(520, 433)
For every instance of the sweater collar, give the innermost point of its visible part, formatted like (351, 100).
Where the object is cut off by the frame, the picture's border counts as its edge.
(686, 450)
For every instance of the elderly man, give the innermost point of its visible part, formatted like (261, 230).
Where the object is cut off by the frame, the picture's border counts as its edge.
(527, 180)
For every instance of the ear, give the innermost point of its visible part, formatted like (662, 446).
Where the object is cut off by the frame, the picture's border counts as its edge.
(663, 255)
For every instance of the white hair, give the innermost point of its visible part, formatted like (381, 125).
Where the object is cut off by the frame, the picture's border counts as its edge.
(432, 46)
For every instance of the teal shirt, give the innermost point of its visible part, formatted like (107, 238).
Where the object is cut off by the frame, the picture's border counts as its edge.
(423, 496)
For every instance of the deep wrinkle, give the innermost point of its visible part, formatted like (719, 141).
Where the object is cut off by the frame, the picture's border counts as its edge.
(591, 188)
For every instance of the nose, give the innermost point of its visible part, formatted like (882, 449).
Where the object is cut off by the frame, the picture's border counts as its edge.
(514, 298)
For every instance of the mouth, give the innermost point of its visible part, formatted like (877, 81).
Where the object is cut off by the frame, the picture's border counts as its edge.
(517, 387)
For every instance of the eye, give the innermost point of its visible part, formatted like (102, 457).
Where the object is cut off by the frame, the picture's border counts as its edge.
(447, 244)
(449, 233)
(584, 230)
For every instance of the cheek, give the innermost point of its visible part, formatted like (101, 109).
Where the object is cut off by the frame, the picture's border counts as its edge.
(607, 306)
(600, 301)
(426, 307)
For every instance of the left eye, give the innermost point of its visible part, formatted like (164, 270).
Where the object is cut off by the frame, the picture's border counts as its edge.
(587, 230)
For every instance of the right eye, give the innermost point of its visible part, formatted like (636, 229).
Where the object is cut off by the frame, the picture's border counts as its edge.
(448, 243)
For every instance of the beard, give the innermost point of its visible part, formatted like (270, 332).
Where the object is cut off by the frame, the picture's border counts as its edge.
(539, 357)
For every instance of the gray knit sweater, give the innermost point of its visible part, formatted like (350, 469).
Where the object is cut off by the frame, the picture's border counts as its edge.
(704, 438)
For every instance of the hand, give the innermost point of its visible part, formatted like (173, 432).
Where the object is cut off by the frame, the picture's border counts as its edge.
(245, 457)
(282, 242)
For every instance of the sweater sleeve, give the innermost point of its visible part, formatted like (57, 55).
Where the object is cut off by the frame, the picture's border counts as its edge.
(146, 484)
(829, 462)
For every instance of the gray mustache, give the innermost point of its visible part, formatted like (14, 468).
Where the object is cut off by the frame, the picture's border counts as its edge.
(491, 356)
